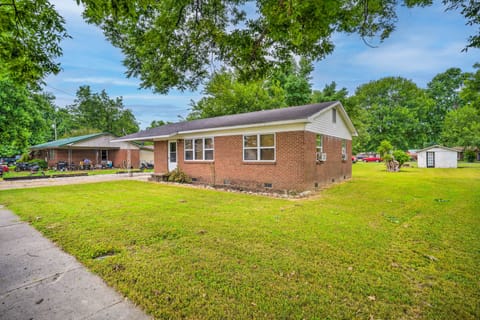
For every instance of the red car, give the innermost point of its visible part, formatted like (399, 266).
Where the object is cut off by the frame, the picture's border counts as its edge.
(3, 168)
(372, 159)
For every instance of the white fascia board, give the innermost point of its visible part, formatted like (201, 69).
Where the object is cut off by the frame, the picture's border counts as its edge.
(345, 116)
(265, 124)
(151, 138)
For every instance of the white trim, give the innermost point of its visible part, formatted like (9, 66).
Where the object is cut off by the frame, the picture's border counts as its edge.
(172, 165)
(203, 149)
(265, 124)
(154, 138)
(259, 147)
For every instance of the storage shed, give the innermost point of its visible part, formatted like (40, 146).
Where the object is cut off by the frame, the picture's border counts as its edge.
(437, 157)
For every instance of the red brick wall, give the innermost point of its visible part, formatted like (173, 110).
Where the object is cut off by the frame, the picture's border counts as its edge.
(334, 169)
(160, 157)
(295, 167)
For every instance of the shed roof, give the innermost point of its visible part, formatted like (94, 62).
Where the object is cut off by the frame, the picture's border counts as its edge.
(66, 141)
(436, 146)
(238, 120)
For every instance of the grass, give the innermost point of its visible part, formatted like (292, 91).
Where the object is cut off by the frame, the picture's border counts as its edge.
(383, 246)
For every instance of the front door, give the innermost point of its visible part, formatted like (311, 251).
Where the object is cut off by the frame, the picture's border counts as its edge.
(172, 155)
(430, 159)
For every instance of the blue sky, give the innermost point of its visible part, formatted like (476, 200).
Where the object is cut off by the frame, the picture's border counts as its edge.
(426, 41)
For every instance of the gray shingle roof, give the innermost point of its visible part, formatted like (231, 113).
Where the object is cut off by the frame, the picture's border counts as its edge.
(250, 118)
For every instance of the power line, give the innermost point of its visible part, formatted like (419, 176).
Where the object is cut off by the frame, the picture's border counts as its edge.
(61, 90)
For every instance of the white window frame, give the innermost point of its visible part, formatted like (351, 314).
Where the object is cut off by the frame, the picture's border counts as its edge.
(334, 115)
(204, 149)
(344, 149)
(259, 147)
(319, 147)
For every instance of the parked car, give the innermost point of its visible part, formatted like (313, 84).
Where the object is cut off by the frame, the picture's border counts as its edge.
(361, 156)
(3, 168)
(9, 161)
(372, 159)
(354, 159)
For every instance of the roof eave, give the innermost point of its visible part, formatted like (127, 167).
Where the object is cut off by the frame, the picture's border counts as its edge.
(148, 138)
(265, 124)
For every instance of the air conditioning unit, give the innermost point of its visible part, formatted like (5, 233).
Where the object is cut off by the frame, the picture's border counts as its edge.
(321, 156)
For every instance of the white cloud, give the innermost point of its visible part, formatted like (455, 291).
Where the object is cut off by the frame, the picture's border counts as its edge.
(401, 58)
(103, 80)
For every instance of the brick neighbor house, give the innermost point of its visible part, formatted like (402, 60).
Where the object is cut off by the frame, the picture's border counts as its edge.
(97, 147)
(295, 148)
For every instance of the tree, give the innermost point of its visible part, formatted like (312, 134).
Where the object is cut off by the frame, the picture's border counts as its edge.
(294, 79)
(385, 149)
(444, 89)
(462, 127)
(31, 32)
(23, 119)
(157, 123)
(177, 44)
(401, 157)
(225, 95)
(98, 111)
(470, 93)
(330, 93)
(395, 110)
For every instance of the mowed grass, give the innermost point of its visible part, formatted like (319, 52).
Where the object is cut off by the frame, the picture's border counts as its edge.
(382, 246)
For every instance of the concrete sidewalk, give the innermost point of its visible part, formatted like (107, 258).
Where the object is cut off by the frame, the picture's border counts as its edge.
(40, 281)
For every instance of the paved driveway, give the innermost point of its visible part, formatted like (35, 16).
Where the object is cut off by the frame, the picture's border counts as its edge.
(71, 180)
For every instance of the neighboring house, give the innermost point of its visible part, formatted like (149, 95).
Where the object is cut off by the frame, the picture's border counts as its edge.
(146, 154)
(296, 148)
(461, 151)
(97, 147)
(437, 157)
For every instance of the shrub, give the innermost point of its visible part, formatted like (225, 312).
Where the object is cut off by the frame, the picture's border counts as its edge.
(41, 163)
(401, 157)
(470, 155)
(24, 158)
(178, 176)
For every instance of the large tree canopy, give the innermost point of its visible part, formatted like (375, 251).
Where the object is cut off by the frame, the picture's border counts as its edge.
(179, 43)
(98, 111)
(395, 109)
(30, 36)
(23, 118)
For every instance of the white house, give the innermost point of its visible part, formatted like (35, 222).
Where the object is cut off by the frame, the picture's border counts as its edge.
(437, 157)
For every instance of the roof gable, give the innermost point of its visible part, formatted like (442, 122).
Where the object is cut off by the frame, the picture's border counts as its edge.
(436, 146)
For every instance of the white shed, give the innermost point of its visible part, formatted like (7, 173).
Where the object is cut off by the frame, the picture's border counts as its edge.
(437, 157)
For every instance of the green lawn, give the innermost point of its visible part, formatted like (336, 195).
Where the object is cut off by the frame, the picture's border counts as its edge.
(383, 246)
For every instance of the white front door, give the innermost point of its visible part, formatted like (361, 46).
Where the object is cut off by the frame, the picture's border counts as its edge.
(172, 155)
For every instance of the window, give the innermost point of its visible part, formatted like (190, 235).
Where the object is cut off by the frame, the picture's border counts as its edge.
(334, 115)
(319, 143)
(344, 149)
(51, 154)
(104, 155)
(199, 149)
(259, 147)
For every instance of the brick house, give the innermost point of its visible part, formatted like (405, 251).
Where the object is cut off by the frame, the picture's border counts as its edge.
(97, 147)
(296, 148)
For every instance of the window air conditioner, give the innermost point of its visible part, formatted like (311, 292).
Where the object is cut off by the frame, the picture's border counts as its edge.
(321, 156)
